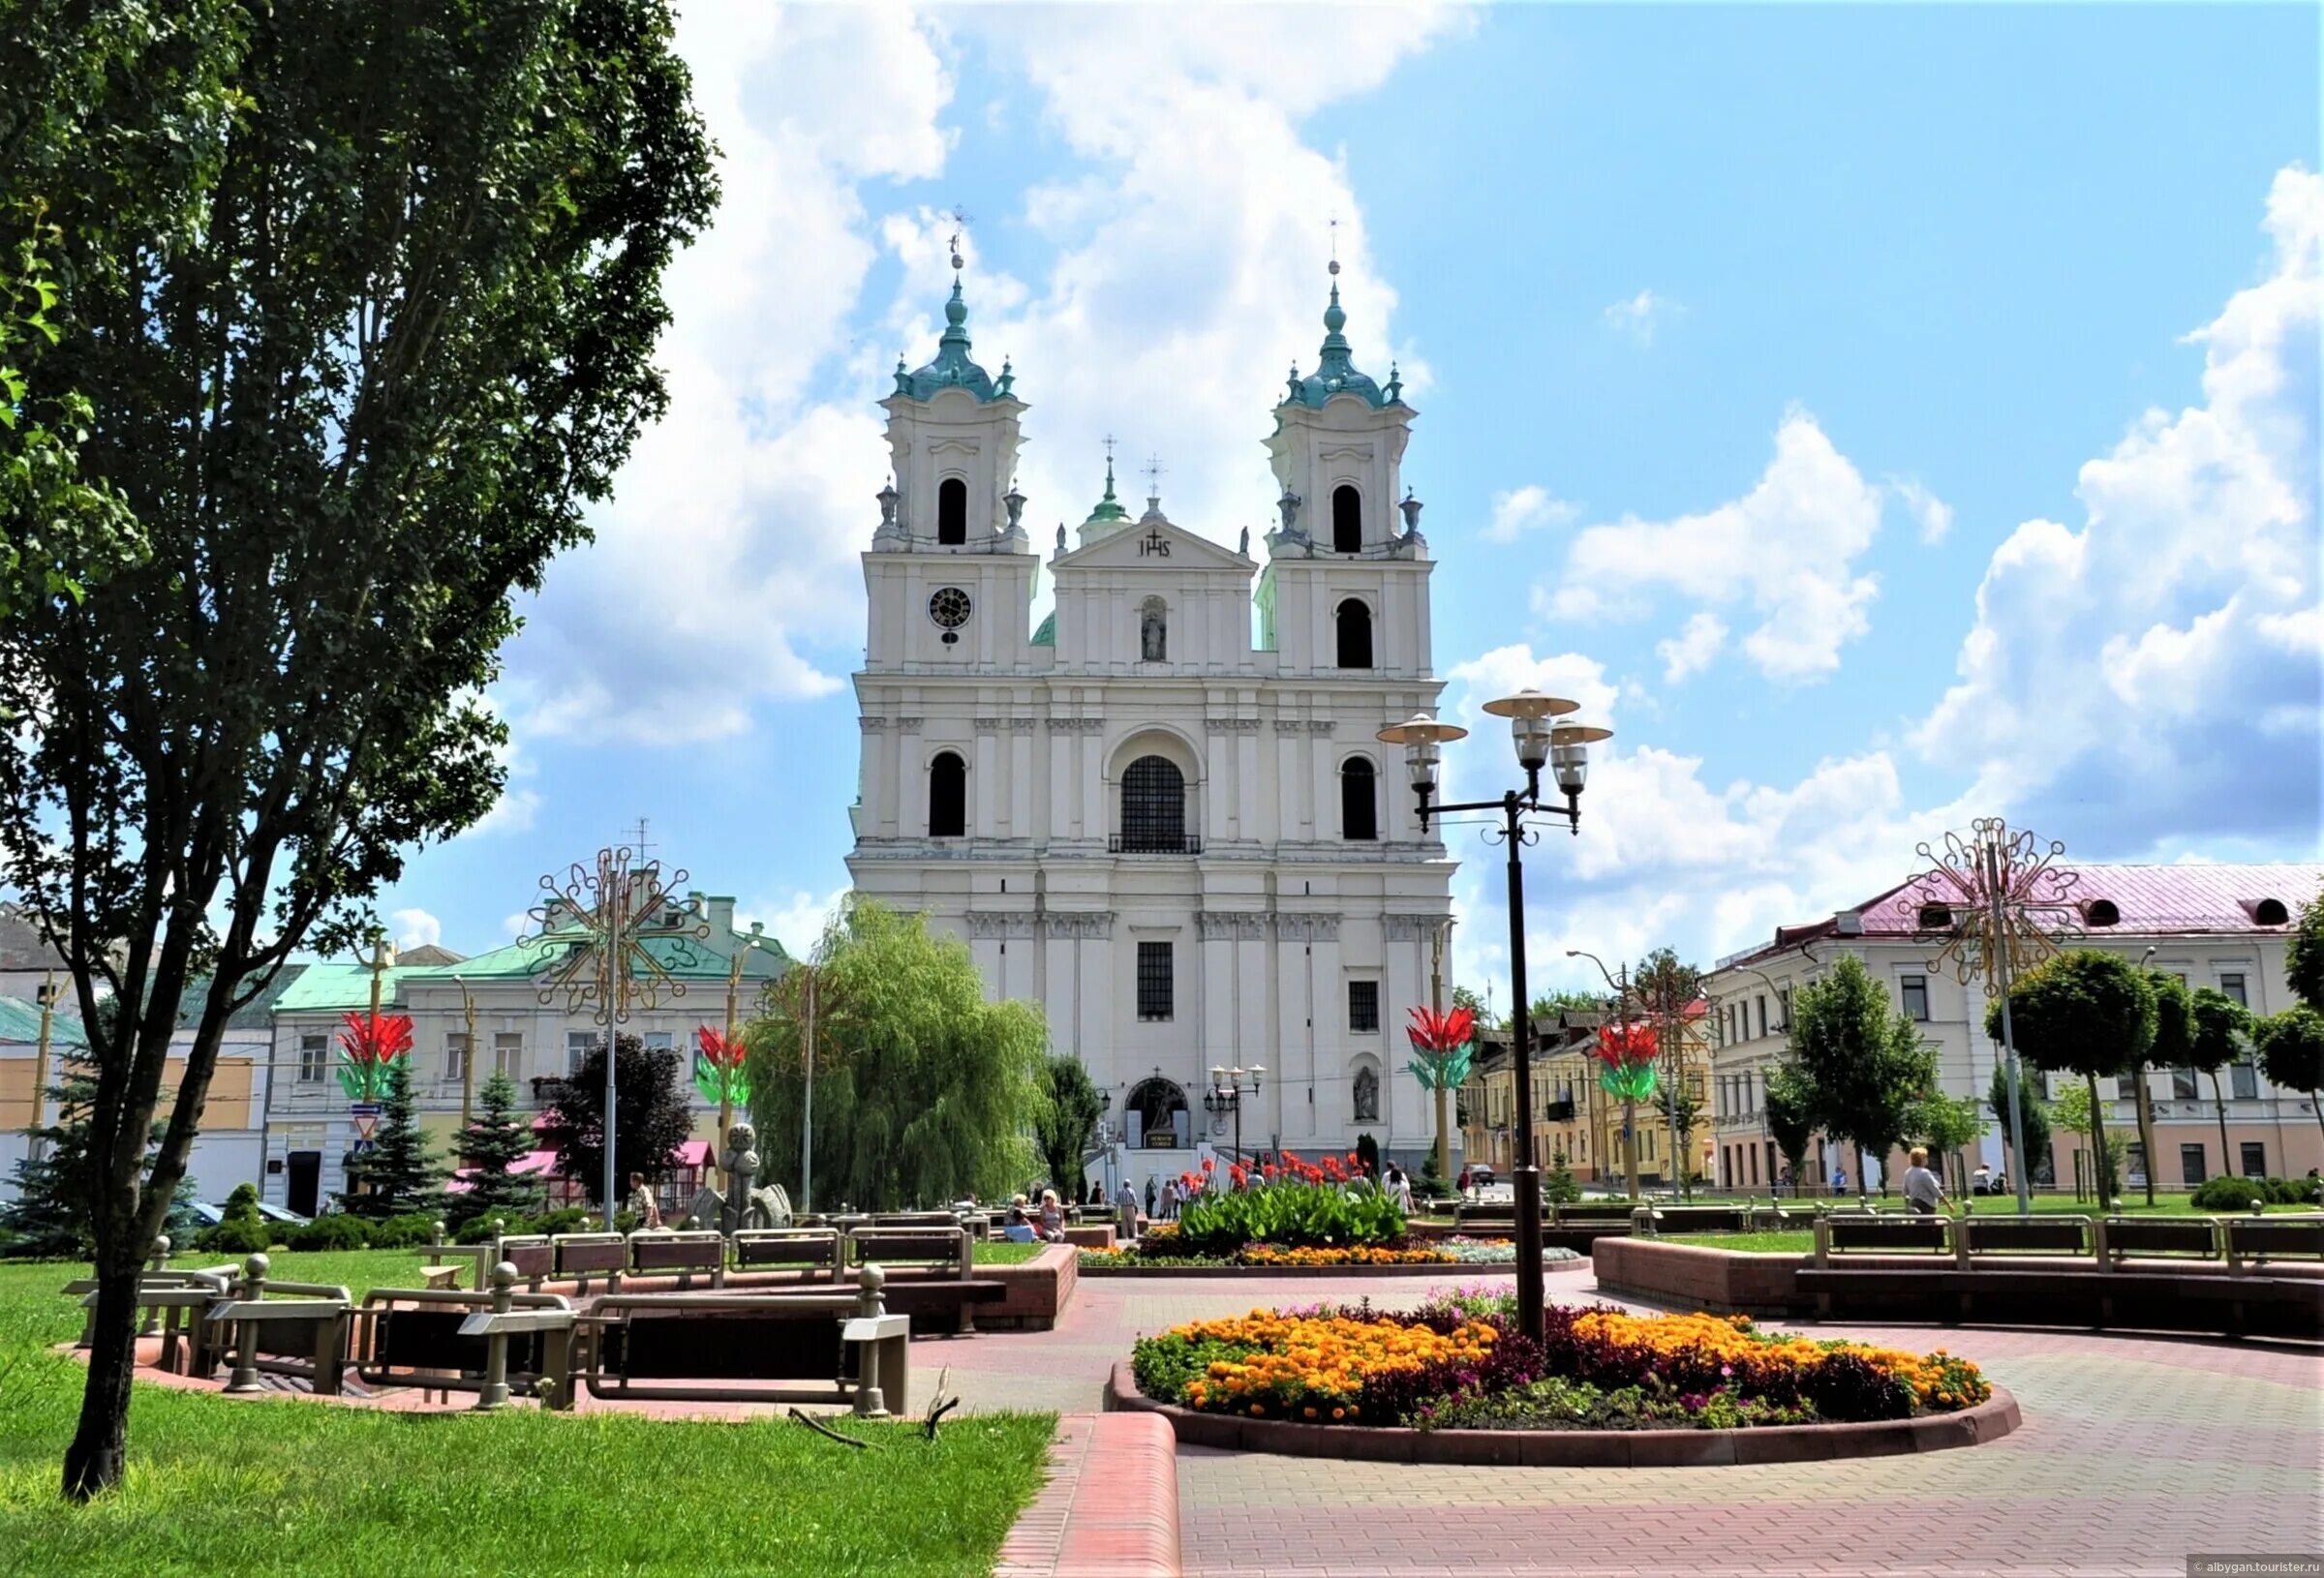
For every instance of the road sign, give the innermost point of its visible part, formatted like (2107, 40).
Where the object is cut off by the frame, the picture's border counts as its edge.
(367, 1119)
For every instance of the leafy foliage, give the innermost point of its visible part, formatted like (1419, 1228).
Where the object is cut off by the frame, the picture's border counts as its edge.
(1790, 1108)
(1068, 1120)
(1863, 1068)
(924, 1091)
(2083, 1011)
(650, 1115)
(2304, 958)
(1289, 1212)
(2291, 1051)
(489, 1146)
(2033, 1116)
(2227, 1193)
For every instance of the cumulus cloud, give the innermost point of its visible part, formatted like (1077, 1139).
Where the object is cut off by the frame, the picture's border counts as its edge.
(1529, 508)
(1787, 551)
(415, 928)
(1638, 317)
(797, 920)
(1932, 514)
(2157, 669)
(1692, 650)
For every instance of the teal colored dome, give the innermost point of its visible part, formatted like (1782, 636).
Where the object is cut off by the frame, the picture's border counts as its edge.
(1047, 634)
(952, 367)
(1335, 372)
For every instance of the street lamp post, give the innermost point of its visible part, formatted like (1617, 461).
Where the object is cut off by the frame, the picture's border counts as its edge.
(1565, 748)
(1226, 1091)
(1630, 1106)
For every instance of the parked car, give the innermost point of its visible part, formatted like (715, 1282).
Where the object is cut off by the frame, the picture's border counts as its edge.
(212, 1215)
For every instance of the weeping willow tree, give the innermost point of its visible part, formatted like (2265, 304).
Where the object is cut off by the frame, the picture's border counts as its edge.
(922, 1091)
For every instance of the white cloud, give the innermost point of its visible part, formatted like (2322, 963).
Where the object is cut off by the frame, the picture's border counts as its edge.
(1692, 650)
(1932, 514)
(797, 920)
(1638, 316)
(1787, 550)
(2174, 641)
(415, 928)
(1531, 508)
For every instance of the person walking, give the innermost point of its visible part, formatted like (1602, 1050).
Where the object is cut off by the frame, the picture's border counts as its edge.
(641, 1204)
(1924, 1192)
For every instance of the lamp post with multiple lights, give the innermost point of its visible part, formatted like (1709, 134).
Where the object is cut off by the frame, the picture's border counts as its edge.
(1564, 748)
(1227, 1088)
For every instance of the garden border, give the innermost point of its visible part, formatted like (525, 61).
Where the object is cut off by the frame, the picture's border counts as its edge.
(1987, 1421)
(1433, 1268)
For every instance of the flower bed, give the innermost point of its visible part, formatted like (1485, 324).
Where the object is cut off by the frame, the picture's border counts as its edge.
(1458, 1363)
(1164, 1251)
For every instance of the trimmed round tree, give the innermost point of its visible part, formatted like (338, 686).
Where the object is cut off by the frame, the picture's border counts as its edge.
(2291, 1053)
(2088, 1013)
(2303, 955)
(2219, 1031)
(2173, 1049)
(2032, 1115)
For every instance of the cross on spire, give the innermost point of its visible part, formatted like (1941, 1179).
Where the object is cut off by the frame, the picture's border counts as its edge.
(1155, 471)
(1334, 238)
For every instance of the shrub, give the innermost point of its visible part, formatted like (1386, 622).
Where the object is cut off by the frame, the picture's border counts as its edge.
(335, 1231)
(412, 1229)
(242, 1205)
(1848, 1387)
(2228, 1195)
(236, 1235)
(564, 1219)
(1294, 1214)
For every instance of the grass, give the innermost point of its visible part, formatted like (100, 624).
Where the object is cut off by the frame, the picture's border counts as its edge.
(1750, 1243)
(289, 1487)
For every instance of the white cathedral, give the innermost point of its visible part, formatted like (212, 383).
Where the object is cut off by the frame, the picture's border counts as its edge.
(1184, 842)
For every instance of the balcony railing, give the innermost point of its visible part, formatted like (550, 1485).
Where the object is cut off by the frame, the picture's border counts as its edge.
(1149, 843)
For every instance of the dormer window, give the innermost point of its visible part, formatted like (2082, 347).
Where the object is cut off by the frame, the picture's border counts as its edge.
(1936, 918)
(1347, 520)
(2271, 912)
(2102, 912)
(951, 512)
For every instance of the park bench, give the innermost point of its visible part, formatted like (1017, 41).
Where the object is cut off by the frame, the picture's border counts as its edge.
(414, 1337)
(2253, 1240)
(835, 1347)
(179, 1301)
(1489, 1213)
(581, 1256)
(2033, 1235)
(915, 1219)
(1844, 1233)
(445, 1276)
(658, 1252)
(303, 1333)
(938, 1294)
(533, 1255)
(2118, 1237)
(814, 1252)
(1590, 1211)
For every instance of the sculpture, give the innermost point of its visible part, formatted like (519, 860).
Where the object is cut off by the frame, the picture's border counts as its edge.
(742, 1205)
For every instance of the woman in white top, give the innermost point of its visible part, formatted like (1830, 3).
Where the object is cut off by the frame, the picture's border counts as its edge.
(1923, 1194)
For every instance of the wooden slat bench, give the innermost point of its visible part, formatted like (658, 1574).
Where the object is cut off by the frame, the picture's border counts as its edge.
(1849, 1232)
(815, 1252)
(939, 1296)
(302, 1333)
(581, 1256)
(531, 1254)
(2118, 1237)
(412, 1337)
(2033, 1235)
(835, 1347)
(660, 1253)
(2253, 1240)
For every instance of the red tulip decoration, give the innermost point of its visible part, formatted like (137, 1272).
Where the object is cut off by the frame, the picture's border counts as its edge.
(1627, 1050)
(368, 1049)
(718, 1068)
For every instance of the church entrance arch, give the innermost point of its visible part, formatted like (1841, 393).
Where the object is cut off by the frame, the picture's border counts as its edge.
(1159, 1116)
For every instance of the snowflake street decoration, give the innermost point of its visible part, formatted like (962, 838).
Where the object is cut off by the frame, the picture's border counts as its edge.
(718, 1068)
(2005, 902)
(1444, 1042)
(368, 1049)
(610, 938)
(1627, 1051)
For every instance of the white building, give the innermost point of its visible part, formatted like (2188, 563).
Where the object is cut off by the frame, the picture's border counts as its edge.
(2223, 927)
(1183, 841)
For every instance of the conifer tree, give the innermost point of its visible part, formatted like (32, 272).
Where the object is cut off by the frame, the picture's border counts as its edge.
(399, 1173)
(496, 1141)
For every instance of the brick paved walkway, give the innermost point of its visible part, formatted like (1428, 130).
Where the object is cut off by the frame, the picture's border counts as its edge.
(2134, 1452)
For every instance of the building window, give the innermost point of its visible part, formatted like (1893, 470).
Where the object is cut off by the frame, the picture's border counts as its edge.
(947, 796)
(577, 1046)
(1347, 520)
(2183, 1086)
(657, 1041)
(1156, 980)
(1915, 991)
(2255, 1159)
(1763, 1002)
(455, 1055)
(1782, 1007)
(952, 511)
(1367, 1096)
(2242, 1080)
(1355, 629)
(1364, 1008)
(2232, 984)
(2126, 1087)
(2191, 1164)
(313, 1050)
(1154, 809)
(508, 1054)
(1359, 802)
(1153, 630)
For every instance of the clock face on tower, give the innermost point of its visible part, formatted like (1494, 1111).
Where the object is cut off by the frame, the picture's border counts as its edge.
(949, 608)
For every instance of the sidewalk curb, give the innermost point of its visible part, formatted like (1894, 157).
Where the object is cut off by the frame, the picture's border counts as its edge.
(1110, 1508)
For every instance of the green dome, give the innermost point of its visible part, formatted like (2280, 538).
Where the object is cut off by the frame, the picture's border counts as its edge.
(1336, 371)
(1047, 634)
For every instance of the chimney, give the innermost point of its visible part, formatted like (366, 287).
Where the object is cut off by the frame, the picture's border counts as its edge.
(721, 915)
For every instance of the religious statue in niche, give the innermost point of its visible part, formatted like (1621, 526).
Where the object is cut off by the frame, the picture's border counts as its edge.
(1153, 631)
(1367, 1096)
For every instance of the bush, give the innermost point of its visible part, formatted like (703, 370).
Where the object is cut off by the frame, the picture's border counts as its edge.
(2228, 1195)
(1293, 1215)
(479, 1229)
(2291, 1191)
(564, 1219)
(406, 1231)
(335, 1231)
(236, 1235)
(1848, 1387)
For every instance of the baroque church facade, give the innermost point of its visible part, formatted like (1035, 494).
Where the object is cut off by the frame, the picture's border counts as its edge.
(1162, 814)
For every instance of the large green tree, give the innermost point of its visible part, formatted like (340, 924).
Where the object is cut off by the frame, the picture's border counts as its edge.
(494, 1142)
(2173, 1048)
(2033, 1117)
(2220, 1033)
(2303, 955)
(1067, 1121)
(1864, 1066)
(2083, 1012)
(1790, 1108)
(357, 390)
(399, 1173)
(924, 1092)
(2291, 1053)
(652, 1115)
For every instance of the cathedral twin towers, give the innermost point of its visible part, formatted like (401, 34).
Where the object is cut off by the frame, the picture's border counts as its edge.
(1184, 842)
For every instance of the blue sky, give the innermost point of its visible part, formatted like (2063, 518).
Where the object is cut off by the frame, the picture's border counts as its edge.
(1882, 416)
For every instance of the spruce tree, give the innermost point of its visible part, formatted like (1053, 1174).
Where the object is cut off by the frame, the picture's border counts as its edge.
(488, 1148)
(48, 1220)
(399, 1171)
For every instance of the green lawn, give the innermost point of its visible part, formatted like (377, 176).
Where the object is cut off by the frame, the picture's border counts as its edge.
(219, 1485)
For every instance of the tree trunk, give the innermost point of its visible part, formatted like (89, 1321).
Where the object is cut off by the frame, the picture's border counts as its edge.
(2145, 1133)
(2219, 1104)
(1863, 1186)
(94, 1458)
(2099, 1170)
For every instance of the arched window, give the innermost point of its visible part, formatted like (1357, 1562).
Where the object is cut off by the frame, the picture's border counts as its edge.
(1354, 627)
(1154, 806)
(1153, 630)
(947, 796)
(1347, 520)
(1367, 1095)
(952, 511)
(1160, 1107)
(1358, 812)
